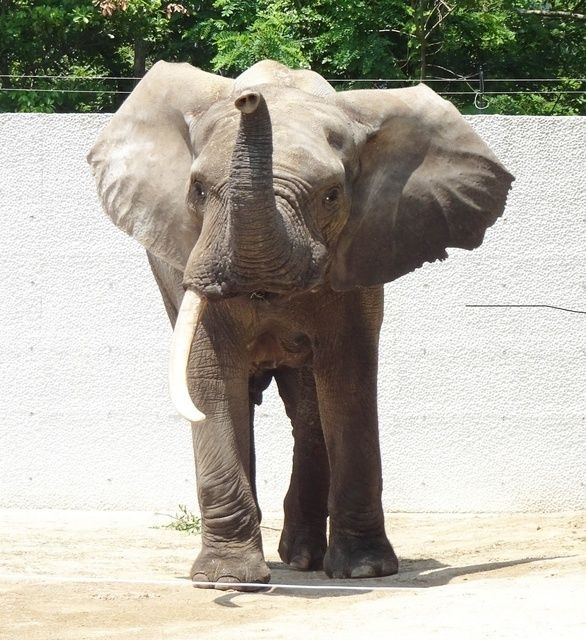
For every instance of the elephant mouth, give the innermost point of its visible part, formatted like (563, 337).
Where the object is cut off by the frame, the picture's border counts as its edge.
(215, 292)
(256, 273)
(263, 296)
(217, 285)
(222, 288)
(185, 329)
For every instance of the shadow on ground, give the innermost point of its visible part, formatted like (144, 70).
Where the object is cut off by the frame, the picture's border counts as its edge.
(413, 574)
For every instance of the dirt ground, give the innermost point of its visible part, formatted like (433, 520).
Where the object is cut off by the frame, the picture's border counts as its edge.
(85, 575)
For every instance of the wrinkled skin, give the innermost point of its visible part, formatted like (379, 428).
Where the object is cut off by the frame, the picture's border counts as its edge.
(278, 338)
(285, 207)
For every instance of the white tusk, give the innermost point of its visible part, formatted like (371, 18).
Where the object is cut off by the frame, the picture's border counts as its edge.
(185, 327)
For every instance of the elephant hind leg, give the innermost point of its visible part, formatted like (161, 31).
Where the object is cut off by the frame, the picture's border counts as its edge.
(257, 383)
(303, 540)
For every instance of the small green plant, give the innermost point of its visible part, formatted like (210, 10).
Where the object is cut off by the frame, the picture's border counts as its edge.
(185, 520)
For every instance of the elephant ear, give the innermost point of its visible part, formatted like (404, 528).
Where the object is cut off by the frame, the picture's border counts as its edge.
(425, 182)
(141, 160)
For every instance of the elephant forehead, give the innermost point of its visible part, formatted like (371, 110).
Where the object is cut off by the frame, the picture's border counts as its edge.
(311, 136)
(306, 154)
(217, 129)
(316, 124)
(312, 139)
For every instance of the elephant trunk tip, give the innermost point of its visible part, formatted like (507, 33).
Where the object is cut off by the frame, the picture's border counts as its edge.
(248, 101)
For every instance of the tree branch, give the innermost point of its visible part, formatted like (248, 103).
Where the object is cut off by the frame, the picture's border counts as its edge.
(440, 17)
(554, 14)
(401, 33)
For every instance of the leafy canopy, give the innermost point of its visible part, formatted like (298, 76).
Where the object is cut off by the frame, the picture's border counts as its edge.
(471, 44)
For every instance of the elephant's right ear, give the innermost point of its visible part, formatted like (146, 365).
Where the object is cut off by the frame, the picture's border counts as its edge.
(425, 182)
(142, 158)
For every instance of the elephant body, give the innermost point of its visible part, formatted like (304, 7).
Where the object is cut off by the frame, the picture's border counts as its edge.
(244, 342)
(281, 207)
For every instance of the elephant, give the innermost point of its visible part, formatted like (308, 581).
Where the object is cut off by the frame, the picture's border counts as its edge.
(273, 209)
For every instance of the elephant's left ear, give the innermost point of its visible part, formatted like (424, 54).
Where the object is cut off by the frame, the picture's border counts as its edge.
(141, 161)
(426, 182)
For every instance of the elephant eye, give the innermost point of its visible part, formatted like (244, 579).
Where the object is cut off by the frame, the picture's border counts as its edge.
(332, 197)
(198, 191)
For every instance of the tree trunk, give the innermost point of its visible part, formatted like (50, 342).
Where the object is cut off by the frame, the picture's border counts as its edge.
(421, 36)
(140, 51)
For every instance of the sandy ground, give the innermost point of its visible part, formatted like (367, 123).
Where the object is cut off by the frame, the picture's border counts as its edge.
(86, 575)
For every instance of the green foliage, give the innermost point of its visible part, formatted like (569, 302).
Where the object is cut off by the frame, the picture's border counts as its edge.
(338, 38)
(271, 33)
(427, 39)
(342, 39)
(85, 39)
(185, 521)
(351, 39)
(544, 101)
(35, 39)
(507, 43)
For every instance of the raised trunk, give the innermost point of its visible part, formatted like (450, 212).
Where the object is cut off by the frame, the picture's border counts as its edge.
(254, 219)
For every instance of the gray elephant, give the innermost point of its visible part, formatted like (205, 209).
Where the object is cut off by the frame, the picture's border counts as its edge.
(280, 207)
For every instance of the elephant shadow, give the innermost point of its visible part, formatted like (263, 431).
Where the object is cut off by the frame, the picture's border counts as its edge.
(419, 573)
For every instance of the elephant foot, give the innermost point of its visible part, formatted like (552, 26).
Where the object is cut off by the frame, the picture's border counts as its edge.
(303, 548)
(351, 556)
(230, 569)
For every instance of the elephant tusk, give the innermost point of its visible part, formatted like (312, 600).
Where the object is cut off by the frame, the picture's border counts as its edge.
(185, 327)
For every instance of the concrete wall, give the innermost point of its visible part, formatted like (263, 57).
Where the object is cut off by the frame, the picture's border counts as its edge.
(481, 409)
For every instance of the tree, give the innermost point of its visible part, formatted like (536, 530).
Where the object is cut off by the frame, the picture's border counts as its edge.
(472, 43)
(472, 46)
(71, 44)
(545, 47)
(37, 39)
(140, 25)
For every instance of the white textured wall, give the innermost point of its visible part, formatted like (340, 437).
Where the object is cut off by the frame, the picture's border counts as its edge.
(481, 409)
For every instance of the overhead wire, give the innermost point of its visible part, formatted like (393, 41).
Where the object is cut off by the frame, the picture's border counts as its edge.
(456, 79)
(469, 80)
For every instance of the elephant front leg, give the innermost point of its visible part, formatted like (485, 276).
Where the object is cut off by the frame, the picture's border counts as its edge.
(303, 540)
(231, 540)
(346, 380)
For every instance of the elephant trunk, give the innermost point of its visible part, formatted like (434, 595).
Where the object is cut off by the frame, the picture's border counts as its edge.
(251, 168)
(254, 218)
(183, 334)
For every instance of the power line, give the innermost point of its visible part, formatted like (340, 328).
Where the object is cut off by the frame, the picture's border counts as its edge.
(66, 77)
(466, 79)
(470, 81)
(333, 80)
(442, 93)
(57, 90)
(524, 306)
(513, 93)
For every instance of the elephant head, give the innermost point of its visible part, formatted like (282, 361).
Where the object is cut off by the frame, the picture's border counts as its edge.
(274, 184)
